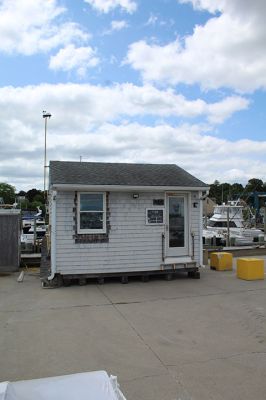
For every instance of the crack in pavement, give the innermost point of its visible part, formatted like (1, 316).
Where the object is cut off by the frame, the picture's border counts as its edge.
(142, 377)
(175, 378)
(133, 328)
(56, 308)
(134, 301)
(216, 358)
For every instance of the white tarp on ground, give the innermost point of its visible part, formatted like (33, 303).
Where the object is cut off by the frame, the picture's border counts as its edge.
(84, 386)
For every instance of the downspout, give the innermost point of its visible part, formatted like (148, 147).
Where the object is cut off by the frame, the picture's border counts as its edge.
(53, 236)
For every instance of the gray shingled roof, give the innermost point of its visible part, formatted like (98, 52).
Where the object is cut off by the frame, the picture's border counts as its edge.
(96, 173)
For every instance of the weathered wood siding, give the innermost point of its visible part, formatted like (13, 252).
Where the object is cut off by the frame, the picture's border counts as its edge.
(9, 242)
(132, 245)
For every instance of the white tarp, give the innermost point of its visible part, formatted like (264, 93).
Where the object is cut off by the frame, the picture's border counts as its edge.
(3, 388)
(84, 386)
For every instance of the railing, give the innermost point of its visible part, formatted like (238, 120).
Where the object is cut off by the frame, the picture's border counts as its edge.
(193, 245)
(163, 244)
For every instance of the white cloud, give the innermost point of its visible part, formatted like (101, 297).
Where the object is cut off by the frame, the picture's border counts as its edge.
(86, 121)
(105, 6)
(220, 111)
(189, 146)
(98, 104)
(74, 58)
(118, 25)
(33, 26)
(210, 5)
(152, 20)
(238, 8)
(228, 51)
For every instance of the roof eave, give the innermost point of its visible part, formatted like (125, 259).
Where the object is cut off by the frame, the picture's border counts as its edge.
(124, 188)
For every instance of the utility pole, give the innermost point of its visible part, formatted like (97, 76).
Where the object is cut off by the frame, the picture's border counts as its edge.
(45, 115)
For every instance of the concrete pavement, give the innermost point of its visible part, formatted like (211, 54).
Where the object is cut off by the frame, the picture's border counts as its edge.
(183, 339)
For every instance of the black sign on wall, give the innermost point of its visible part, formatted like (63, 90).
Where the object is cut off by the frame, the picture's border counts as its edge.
(158, 202)
(154, 216)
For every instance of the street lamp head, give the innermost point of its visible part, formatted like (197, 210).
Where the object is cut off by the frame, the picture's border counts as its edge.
(46, 114)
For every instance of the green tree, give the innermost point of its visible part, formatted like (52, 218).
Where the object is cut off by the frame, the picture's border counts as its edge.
(21, 193)
(24, 204)
(34, 205)
(39, 197)
(254, 185)
(237, 189)
(32, 193)
(225, 192)
(7, 192)
(215, 191)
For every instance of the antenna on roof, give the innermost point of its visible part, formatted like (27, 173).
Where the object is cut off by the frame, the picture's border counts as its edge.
(80, 158)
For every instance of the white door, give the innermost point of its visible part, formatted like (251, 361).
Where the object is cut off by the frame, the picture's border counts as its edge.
(176, 226)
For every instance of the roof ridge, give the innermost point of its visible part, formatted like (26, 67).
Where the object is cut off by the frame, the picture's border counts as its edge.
(109, 162)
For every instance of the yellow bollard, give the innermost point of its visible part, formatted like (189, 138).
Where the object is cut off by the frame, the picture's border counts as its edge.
(222, 261)
(250, 269)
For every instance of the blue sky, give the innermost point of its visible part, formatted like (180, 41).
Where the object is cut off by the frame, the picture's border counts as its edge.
(162, 81)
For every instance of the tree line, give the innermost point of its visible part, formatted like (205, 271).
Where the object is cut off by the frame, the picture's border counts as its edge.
(223, 192)
(29, 200)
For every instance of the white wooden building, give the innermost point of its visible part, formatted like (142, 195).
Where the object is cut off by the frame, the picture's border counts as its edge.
(114, 218)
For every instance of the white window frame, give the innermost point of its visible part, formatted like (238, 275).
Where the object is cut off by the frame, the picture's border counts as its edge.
(92, 231)
(155, 223)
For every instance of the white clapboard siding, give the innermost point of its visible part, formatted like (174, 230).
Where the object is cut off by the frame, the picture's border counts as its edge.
(132, 246)
(195, 224)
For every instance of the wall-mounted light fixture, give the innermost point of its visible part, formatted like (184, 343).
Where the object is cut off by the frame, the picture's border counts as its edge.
(135, 195)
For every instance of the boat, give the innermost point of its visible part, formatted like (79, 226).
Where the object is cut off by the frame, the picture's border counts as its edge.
(33, 228)
(213, 238)
(241, 232)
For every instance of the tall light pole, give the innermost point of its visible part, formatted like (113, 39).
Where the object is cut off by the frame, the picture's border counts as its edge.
(45, 115)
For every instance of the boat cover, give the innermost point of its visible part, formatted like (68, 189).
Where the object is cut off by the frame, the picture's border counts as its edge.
(95, 385)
